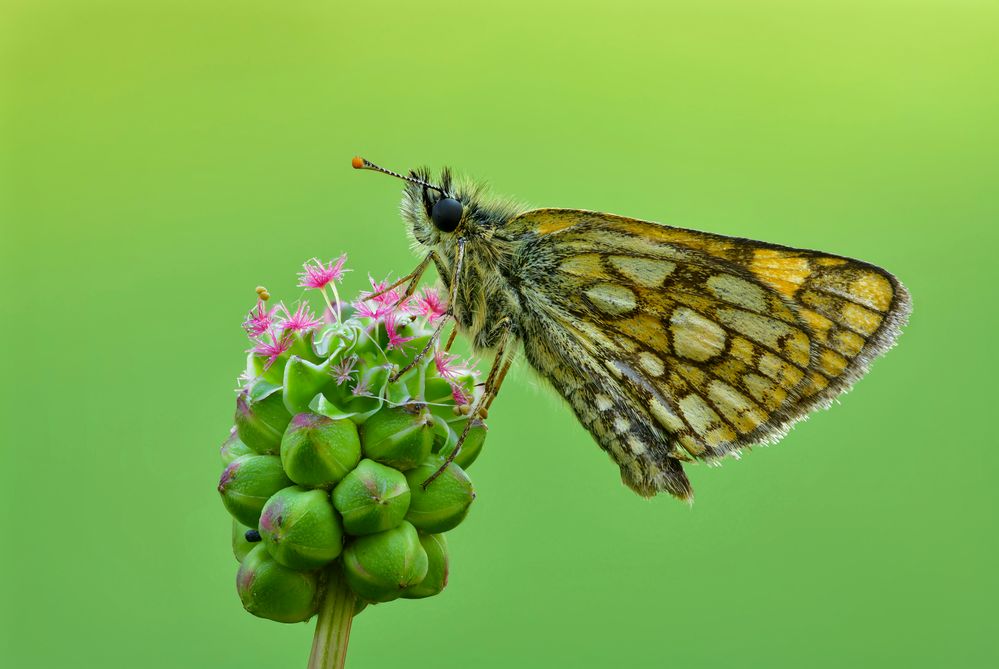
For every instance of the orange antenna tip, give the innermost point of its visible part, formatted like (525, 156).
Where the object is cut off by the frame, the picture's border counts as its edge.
(357, 162)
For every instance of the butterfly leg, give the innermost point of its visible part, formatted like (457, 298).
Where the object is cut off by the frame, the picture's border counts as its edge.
(501, 365)
(448, 315)
(413, 278)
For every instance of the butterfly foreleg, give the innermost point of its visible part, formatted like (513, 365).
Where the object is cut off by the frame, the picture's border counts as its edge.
(448, 315)
(505, 351)
(413, 278)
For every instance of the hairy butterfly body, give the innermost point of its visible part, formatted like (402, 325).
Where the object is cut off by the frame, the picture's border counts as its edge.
(669, 344)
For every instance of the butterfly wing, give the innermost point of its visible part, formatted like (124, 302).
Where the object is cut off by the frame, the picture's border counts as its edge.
(723, 342)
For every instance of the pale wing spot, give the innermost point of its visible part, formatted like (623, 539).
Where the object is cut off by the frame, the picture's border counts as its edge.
(815, 320)
(705, 422)
(798, 348)
(603, 402)
(736, 407)
(665, 416)
(615, 370)
(816, 382)
(612, 299)
(694, 336)
(621, 424)
(595, 334)
(646, 272)
(739, 292)
(586, 265)
(651, 363)
(613, 242)
(873, 290)
(767, 331)
(636, 446)
(742, 350)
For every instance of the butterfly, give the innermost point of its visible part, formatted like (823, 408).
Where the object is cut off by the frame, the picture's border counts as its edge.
(670, 345)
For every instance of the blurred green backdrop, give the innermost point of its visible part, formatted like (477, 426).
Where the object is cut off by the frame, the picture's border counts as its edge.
(161, 158)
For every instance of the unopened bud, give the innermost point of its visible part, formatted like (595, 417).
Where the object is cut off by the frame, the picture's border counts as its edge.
(273, 591)
(248, 482)
(232, 448)
(399, 437)
(301, 529)
(372, 498)
(437, 568)
(261, 422)
(317, 451)
(444, 503)
(379, 567)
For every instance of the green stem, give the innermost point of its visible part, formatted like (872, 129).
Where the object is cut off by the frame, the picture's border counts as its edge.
(336, 611)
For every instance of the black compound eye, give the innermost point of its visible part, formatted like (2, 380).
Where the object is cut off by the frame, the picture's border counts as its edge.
(446, 214)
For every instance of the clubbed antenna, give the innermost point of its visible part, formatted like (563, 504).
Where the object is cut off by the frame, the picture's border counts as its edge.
(364, 164)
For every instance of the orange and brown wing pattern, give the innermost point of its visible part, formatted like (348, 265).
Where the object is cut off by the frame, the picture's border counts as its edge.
(724, 342)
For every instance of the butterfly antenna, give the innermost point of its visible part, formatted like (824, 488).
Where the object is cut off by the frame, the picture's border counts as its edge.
(359, 163)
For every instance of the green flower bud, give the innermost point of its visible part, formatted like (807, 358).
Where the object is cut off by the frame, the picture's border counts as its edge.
(380, 566)
(437, 568)
(317, 451)
(472, 447)
(270, 590)
(261, 422)
(300, 528)
(399, 437)
(248, 482)
(303, 380)
(240, 545)
(372, 498)
(232, 448)
(444, 503)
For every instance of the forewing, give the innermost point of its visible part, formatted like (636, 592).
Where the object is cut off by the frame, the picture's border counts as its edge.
(726, 341)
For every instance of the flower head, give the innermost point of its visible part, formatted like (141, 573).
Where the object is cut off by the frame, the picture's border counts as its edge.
(318, 275)
(273, 349)
(259, 320)
(361, 388)
(303, 319)
(429, 305)
(371, 309)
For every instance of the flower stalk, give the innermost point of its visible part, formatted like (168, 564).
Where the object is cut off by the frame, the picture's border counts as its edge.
(336, 612)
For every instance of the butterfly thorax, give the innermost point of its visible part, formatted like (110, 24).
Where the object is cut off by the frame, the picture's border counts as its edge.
(487, 300)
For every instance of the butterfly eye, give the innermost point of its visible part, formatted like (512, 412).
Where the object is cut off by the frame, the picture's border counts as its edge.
(446, 214)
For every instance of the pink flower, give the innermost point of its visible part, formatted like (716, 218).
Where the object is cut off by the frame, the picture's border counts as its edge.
(445, 363)
(319, 275)
(395, 340)
(361, 388)
(303, 319)
(344, 370)
(389, 298)
(273, 349)
(458, 393)
(371, 309)
(259, 320)
(429, 305)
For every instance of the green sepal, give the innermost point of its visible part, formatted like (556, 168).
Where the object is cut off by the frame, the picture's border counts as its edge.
(261, 417)
(304, 380)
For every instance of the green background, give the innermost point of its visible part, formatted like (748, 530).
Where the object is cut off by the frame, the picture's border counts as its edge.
(161, 158)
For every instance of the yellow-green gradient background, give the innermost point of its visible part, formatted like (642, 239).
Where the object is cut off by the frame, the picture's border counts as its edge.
(161, 158)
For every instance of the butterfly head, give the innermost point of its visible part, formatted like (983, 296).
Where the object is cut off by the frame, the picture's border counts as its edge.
(434, 211)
